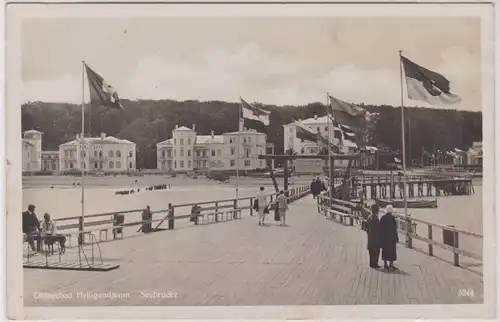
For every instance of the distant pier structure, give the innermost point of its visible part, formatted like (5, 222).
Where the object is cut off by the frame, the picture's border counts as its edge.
(392, 187)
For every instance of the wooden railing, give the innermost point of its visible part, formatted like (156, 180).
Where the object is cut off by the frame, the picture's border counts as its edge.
(423, 231)
(114, 222)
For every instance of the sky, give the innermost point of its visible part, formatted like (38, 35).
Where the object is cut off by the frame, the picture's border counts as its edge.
(282, 61)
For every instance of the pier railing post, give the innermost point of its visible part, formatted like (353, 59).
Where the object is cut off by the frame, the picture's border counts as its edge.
(80, 229)
(409, 242)
(251, 206)
(429, 236)
(455, 248)
(235, 208)
(171, 217)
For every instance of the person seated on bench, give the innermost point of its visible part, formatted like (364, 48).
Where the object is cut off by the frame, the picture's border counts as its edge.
(147, 216)
(195, 211)
(50, 235)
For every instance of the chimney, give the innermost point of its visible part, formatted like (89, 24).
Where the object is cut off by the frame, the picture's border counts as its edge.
(315, 116)
(176, 126)
(103, 135)
(212, 133)
(77, 136)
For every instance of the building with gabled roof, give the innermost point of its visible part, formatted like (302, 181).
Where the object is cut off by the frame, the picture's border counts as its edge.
(186, 151)
(99, 154)
(319, 125)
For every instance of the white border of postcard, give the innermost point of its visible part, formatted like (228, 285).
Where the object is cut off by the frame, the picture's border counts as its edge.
(16, 13)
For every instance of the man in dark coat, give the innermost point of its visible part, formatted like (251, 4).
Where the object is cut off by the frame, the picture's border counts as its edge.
(373, 232)
(31, 227)
(389, 238)
(314, 188)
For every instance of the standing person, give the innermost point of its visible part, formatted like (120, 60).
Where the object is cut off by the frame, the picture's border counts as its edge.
(262, 202)
(323, 185)
(373, 233)
(31, 227)
(319, 186)
(282, 204)
(389, 238)
(313, 188)
(147, 216)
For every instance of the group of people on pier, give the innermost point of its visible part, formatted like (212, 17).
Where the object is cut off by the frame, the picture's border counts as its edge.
(318, 186)
(36, 231)
(382, 235)
(262, 206)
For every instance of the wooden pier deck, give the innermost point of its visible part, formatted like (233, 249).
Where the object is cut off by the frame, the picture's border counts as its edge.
(313, 261)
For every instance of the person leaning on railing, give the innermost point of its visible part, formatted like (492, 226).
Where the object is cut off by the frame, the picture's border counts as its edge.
(195, 211)
(147, 216)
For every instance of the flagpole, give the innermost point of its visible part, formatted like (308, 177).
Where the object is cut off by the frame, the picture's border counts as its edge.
(329, 164)
(404, 150)
(238, 150)
(81, 224)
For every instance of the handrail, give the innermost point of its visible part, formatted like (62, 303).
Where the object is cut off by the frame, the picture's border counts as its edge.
(412, 224)
(164, 210)
(110, 224)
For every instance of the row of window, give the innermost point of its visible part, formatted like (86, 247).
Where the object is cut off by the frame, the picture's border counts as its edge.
(98, 165)
(202, 153)
(199, 153)
(232, 139)
(200, 163)
(111, 153)
(318, 129)
(246, 139)
(49, 165)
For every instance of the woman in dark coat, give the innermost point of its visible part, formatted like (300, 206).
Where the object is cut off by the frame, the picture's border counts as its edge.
(388, 238)
(373, 232)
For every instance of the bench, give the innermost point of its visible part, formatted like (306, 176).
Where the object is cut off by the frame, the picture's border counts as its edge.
(339, 208)
(226, 215)
(334, 214)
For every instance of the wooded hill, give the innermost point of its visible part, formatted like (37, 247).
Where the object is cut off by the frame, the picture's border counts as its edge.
(147, 122)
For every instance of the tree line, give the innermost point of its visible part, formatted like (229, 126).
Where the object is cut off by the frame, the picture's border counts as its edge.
(147, 122)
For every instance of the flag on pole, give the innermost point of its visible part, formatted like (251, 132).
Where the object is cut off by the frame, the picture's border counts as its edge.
(253, 113)
(101, 92)
(324, 142)
(426, 85)
(346, 113)
(349, 133)
(305, 134)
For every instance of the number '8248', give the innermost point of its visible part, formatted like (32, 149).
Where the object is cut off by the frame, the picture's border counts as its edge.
(466, 292)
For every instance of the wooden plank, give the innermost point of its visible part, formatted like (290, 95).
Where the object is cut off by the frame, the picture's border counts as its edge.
(310, 262)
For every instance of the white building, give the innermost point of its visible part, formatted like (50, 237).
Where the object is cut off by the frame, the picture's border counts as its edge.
(186, 151)
(32, 151)
(475, 154)
(100, 154)
(316, 125)
(50, 161)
